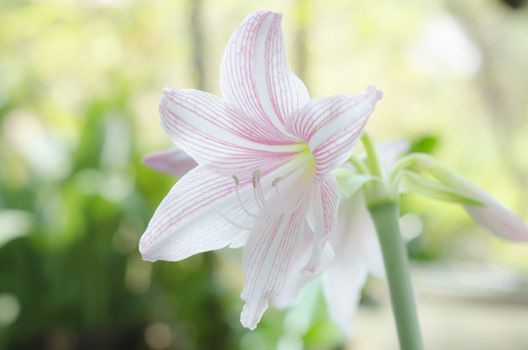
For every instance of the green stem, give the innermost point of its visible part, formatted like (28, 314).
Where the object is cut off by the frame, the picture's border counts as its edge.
(372, 155)
(385, 216)
(361, 168)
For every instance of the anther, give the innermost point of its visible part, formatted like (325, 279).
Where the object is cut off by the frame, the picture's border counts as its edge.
(256, 178)
(236, 180)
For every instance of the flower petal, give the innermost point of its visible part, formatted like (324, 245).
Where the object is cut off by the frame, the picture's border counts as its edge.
(172, 161)
(390, 151)
(195, 217)
(218, 136)
(495, 216)
(255, 74)
(298, 276)
(361, 224)
(342, 286)
(357, 252)
(322, 216)
(266, 258)
(331, 125)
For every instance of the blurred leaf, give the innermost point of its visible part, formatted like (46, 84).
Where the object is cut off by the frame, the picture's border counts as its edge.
(424, 144)
(14, 224)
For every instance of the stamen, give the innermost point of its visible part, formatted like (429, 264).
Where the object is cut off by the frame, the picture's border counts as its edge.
(274, 184)
(259, 193)
(263, 202)
(241, 202)
(256, 178)
(278, 207)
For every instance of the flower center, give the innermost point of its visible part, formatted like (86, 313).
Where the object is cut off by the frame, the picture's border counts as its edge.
(279, 195)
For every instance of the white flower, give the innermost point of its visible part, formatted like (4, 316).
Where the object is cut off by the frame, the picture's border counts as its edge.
(265, 155)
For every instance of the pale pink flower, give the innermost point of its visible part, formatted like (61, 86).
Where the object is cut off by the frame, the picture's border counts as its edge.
(265, 155)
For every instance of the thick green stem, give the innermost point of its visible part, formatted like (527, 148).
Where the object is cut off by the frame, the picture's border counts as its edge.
(385, 216)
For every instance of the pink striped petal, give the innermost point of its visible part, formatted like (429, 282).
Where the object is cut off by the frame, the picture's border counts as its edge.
(298, 275)
(322, 217)
(266, 258)
(172, 161)
(357, 252)
(197, 216)
(495, 216)
(255, 74)
(331, 125)
(218, 136)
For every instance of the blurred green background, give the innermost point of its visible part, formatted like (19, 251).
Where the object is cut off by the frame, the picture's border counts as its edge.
(79, 86)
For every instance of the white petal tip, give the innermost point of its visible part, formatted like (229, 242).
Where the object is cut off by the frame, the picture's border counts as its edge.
(496, 217)
(247, 324)
(146, 250)
(264, 12)
(246, 321)
(371, 90)
(251, 327)
(144, 254)
(167, 90)
(251, 314)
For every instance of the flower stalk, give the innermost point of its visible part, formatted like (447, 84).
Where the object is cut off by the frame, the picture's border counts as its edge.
(372, 156)
(382, 203)
(385, 217)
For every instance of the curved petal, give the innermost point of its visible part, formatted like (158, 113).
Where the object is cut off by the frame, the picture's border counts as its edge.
(201, 213)
(255, 75)
(173, 161)
(357, 252)
(266, 258)
(322, 217)
(217, 136)
(495, 216)
(331, 125)
(297, 275)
